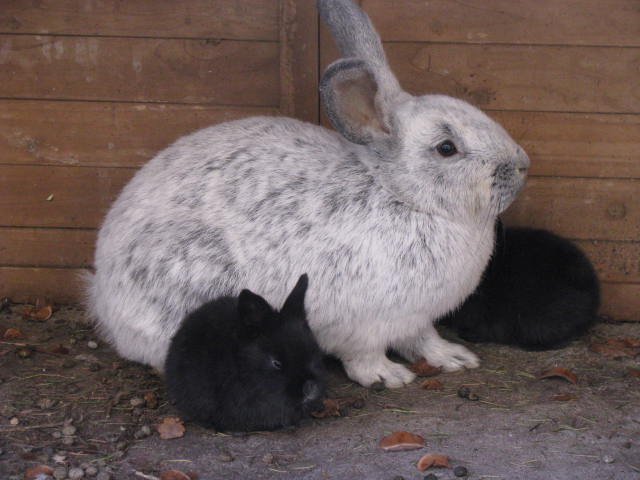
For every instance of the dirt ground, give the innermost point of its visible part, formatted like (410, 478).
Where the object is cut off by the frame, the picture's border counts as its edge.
(66, 405)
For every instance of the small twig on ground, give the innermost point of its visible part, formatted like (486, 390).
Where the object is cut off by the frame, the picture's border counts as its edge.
(116, 399)
(145, 476)
(31, 427)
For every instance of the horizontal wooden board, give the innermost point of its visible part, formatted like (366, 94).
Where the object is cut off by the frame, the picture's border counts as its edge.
(54, 247)
(140, 70)
(614, 261)
(233, 19)
(25, 285)
(576, 22)
(117, 134)
(72, 197)
(64, 286)
(621, 301)
(508, 77)
(590, 209)
(517, 77)
(580, 208)
(46, 247)
(576, 144)
(101, 134)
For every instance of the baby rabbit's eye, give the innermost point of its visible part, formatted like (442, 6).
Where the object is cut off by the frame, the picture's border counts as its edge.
(446, 148)
(276, 364)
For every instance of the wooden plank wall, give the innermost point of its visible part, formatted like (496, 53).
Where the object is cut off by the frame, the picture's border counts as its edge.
(89, 91)
(562, 77)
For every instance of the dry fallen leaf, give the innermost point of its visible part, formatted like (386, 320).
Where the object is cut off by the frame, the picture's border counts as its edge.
(355, 402)
(422, 369)
(151, 400)
(171, 427)
(60, 350)
(174, 475)
(331, 409)
(12, 334)
(560, 372)
(563, 397)
(634, 372)
(432, 384)
(617, 347)
(400, 441)
(39, 314)
(433, 460)
(33, 472)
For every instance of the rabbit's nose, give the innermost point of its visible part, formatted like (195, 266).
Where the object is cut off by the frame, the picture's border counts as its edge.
(311, 391)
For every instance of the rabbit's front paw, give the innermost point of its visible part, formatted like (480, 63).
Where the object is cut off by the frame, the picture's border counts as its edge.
(449, 356)
(367, 370)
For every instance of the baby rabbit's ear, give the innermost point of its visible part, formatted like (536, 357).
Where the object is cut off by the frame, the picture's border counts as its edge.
(294, 304)
(253, 310)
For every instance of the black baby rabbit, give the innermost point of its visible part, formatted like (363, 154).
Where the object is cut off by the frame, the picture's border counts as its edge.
(237, 364)
(538, 291)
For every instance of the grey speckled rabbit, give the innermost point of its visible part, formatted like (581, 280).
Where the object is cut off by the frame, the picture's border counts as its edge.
(392, 218)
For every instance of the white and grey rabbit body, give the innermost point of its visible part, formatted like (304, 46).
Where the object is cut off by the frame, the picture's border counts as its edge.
(393, 220)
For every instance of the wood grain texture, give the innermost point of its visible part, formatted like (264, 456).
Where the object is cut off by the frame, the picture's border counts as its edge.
(78, 197)
(592, 209)
(575, 144)
(230, 19)
(517, 77)
(139, 70)
(25, 285)
(580, 208)
(50, 247)
(133, 76)
(621, 301)
(617, 262)
(101, 134)
(533, 78)
(299, 60)
(116, 134)
(565, 22)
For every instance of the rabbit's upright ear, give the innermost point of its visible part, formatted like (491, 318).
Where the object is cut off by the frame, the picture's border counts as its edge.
(349, 92)
(293, 307)
(360, 90)
(253, 310)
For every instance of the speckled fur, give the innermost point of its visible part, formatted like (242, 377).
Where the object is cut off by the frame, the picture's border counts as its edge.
(392, 234)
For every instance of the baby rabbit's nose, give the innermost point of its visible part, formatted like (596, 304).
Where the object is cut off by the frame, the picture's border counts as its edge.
(311, 391)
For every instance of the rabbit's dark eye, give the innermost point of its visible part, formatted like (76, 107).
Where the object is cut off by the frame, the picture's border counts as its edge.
(447, 148)
(276, 364)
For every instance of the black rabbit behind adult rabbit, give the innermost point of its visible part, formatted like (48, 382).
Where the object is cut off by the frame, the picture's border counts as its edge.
(539, 291)
(238, 364)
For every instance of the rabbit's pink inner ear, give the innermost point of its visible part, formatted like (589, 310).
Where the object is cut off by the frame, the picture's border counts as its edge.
(349, 92)
(357, 98)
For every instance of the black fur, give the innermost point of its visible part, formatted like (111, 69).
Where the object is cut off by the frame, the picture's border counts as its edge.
(539, 291)
(222, 366)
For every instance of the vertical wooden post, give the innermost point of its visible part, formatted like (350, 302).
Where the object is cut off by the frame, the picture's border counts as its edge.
(299, 60)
